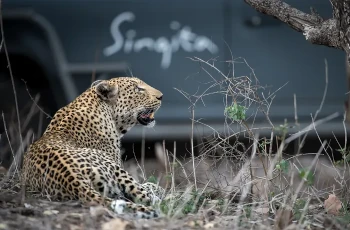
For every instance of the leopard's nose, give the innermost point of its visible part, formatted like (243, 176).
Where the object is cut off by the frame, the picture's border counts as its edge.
(160, 97)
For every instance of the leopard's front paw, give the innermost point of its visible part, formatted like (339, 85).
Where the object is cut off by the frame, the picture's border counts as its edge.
(155, 192)
(118, 206)
(139, 210)
(140, 195)
(146, 212)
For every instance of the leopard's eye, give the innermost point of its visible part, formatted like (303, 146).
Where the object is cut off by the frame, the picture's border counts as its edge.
(139, 89)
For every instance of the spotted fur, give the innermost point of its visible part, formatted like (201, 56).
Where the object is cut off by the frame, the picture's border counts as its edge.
(78, 156)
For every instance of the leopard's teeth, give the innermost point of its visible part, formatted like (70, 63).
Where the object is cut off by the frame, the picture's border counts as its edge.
(151, 115)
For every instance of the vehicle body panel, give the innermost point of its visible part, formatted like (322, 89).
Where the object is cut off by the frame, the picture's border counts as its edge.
(155, 40)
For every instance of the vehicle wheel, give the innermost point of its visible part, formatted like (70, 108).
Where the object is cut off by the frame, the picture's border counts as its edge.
(33, 121)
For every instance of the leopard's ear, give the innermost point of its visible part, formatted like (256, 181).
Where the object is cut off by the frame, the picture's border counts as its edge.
(96, 83)
(105, 90)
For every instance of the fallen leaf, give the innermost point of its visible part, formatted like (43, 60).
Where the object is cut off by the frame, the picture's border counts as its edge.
(117, 224)
(332, 204)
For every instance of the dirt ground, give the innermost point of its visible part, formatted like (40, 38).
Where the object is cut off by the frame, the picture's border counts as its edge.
(28, 211)
(41, 213)
(44, 214)
(18, 211)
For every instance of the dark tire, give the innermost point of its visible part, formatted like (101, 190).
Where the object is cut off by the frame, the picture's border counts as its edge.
(32, 115)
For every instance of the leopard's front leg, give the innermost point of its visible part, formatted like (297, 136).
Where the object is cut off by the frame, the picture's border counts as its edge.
(131, 189)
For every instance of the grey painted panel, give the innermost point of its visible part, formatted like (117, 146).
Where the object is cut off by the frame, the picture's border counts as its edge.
(277, 53)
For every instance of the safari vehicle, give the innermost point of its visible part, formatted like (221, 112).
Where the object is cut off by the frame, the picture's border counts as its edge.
(58, 48)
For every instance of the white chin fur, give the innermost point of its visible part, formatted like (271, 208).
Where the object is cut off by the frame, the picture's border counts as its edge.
(151, 125)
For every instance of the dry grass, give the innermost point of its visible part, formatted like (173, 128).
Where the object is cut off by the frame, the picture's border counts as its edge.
(258, 185)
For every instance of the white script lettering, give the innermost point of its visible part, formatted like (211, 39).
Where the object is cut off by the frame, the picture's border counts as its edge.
(184, 38)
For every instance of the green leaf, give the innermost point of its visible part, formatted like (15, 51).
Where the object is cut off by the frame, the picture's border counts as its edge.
(236, 112)
(284, 166)
(298, 207)
(152, 179)
(308, 176)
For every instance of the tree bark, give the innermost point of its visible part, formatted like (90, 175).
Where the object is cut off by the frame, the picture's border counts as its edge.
(341, 13)
(333, 32)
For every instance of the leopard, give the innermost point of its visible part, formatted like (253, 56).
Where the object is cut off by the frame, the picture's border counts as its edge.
(78, 157)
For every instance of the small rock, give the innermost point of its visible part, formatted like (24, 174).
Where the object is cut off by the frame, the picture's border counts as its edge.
(3, 226)
(75, 227)
(196, 223)
(3, 170)
(26, 205)
(262, 210)
(76, 215)
(50, 212)
(210, 225)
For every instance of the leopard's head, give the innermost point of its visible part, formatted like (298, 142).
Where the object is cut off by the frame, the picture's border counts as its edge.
(133, 101)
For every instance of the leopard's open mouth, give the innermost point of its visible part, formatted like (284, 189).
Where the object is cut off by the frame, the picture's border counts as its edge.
(146, 117)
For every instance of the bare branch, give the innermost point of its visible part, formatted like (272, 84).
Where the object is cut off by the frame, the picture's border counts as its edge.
(315, 29)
